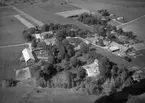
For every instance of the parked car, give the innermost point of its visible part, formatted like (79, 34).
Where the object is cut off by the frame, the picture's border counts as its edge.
(127, 59)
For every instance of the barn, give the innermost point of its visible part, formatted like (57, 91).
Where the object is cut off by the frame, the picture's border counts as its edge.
(28, 56)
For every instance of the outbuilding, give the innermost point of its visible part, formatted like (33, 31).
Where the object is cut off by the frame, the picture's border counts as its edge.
(28, 56)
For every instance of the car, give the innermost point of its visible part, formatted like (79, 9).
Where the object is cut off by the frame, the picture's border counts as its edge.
(127, 59)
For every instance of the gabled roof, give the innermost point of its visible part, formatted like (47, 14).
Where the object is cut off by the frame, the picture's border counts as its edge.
(92, 69)
(27, 54)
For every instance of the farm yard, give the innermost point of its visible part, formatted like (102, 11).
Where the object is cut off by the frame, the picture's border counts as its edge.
(12, 43)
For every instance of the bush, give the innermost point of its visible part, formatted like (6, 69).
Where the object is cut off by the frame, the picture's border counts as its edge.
(81, 73)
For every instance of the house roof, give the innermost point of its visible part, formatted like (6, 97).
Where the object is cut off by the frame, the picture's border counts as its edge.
(23, 74)
(112, 48)
(38, 36)
(121, 47)
(92, 69)
(27, 54)
(72, 12)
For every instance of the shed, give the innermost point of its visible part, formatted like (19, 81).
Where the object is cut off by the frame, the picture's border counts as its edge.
(114, 48)
(71, 13)
(28, 56)
(38, 36)
(92, 69)
(23, 74)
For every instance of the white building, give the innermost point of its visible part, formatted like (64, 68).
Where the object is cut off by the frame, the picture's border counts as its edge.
(114, 48)
(38, 36)
(120, 18)
(92, 69)
(28, 56)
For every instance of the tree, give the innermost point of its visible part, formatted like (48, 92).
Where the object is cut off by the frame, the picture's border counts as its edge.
(84, 48)
(73, 61)
(27, 36)
(50, 59)
(81, 73)
(45, 28)
(104, 67)
(34, 43)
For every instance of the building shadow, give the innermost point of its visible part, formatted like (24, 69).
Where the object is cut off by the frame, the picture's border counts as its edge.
(122, 96)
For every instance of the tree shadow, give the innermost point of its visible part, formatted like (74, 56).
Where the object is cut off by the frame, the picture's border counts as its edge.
(122, 96)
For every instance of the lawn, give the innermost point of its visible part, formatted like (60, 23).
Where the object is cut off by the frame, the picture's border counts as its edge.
(4, 12)
(10, 31)
(9, 59)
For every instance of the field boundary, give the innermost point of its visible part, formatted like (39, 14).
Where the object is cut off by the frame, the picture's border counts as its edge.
(7, 46)
(29, 17)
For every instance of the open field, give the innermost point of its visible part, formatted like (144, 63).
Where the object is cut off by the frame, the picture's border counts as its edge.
(4, 12)
(10, 31)
(58, 8)
(137, 27)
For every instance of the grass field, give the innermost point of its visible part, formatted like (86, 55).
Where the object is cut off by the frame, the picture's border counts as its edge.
(10, 31)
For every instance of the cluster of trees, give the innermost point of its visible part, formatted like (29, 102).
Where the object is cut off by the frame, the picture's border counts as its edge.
(89, 19)
(104, 12)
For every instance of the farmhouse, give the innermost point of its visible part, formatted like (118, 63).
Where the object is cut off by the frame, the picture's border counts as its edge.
(92, 69)
(28, 56)
(38, 36)
(72, 13)
(23, 74)
(114, 48)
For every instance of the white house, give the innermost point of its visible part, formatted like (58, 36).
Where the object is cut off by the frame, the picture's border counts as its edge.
(28, 56)
(92, 69)
(38, 36)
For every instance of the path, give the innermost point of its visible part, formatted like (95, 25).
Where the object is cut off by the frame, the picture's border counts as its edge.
(6, 46)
